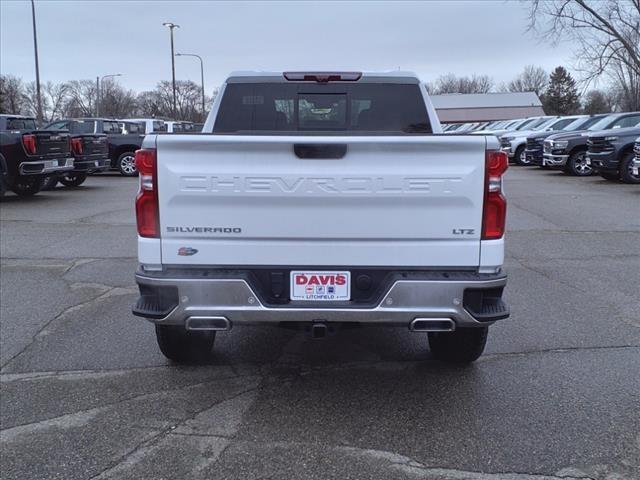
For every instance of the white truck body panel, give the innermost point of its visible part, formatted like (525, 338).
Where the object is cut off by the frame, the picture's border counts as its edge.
(390, 201)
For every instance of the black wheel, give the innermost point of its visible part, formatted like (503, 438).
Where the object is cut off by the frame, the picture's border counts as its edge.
(463, 345)
(27, 186)
(73, 179)
(50, 183)
(626, 169)
(127, 164)
(577, 165)
(184, 346)
(520, 157)
(612, 177)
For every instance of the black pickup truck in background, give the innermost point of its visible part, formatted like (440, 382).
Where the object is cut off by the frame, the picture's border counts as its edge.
(28, 156)
(610, 152)
(122, 147)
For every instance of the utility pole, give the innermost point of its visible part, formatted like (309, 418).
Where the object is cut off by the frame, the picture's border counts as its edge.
(201, 77)
(99, 82)
(35, 50)
(171, 26)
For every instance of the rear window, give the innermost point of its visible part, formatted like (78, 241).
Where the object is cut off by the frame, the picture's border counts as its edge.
(111, 127)
(159, 126)
(83, 126)
(307, 109)
(21, 124)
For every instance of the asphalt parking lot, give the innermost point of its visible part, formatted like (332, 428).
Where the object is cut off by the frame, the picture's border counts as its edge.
(85, 393)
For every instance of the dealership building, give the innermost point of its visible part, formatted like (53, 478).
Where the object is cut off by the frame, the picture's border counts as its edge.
(484, 107)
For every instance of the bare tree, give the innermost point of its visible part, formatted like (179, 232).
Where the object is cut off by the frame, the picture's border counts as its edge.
(159, 102)
(450, 83)
(12, 93)
(82, 98)
(607, 33)
(116, 101)
(532, 79)
(596, 101)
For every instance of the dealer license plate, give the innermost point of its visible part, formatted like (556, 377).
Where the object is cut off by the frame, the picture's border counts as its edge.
(320, 286)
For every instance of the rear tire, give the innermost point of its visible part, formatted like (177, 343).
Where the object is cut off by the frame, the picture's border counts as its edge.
(184, 346)
(27, 186)
(577, 165)
(127, 164)
(73, 179)
(464, 345)
(520, 157)
(626, 169)
(612, 177)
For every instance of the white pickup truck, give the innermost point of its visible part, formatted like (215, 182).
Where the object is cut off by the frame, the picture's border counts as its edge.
(316, 200)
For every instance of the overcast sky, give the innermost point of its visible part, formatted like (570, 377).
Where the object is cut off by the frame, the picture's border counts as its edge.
(84, 39)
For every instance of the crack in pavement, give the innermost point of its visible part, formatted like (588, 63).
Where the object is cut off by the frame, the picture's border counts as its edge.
(139, 451)
(146, 395)
(106, 291)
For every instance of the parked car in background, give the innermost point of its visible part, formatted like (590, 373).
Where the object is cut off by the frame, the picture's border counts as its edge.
(610, 152)
(149, 125)
(90, 155)
(519, 124)
(121, 146)
(514, 143)
(568, 150)
(197, 127)
(179, 127)
(127, 127)
(28, 155)
(534, 150)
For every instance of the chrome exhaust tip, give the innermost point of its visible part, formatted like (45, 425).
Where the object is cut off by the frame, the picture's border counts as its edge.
(432, 325)
(208, 323)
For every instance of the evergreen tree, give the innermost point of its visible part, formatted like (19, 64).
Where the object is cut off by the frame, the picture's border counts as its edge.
(561, 96)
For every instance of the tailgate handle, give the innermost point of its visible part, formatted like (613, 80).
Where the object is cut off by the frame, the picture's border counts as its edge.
(320, 151)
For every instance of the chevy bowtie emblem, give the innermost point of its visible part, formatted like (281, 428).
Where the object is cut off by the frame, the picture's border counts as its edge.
(187, 251)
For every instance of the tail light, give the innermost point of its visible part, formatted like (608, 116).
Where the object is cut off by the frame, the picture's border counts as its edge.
(147, 212)
(495, 205)
(76, 146)
(29, 142)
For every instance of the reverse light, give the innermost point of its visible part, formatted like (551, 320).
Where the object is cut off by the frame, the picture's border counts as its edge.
(147, 211)
(76, 146)
(29, 142)
(494, 210)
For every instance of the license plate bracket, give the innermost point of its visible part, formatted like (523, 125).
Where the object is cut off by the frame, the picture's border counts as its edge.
(320, 286)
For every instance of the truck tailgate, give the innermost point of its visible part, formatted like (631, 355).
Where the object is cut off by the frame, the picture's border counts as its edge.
(413, 201)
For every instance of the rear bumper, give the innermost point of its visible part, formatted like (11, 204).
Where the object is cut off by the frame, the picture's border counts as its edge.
(469, 300)
(46, 167)
(92, 165)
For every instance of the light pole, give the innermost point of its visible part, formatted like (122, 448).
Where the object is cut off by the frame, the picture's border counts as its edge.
(99, 81)
(35, 50)
(201, 75)
(171, 26)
